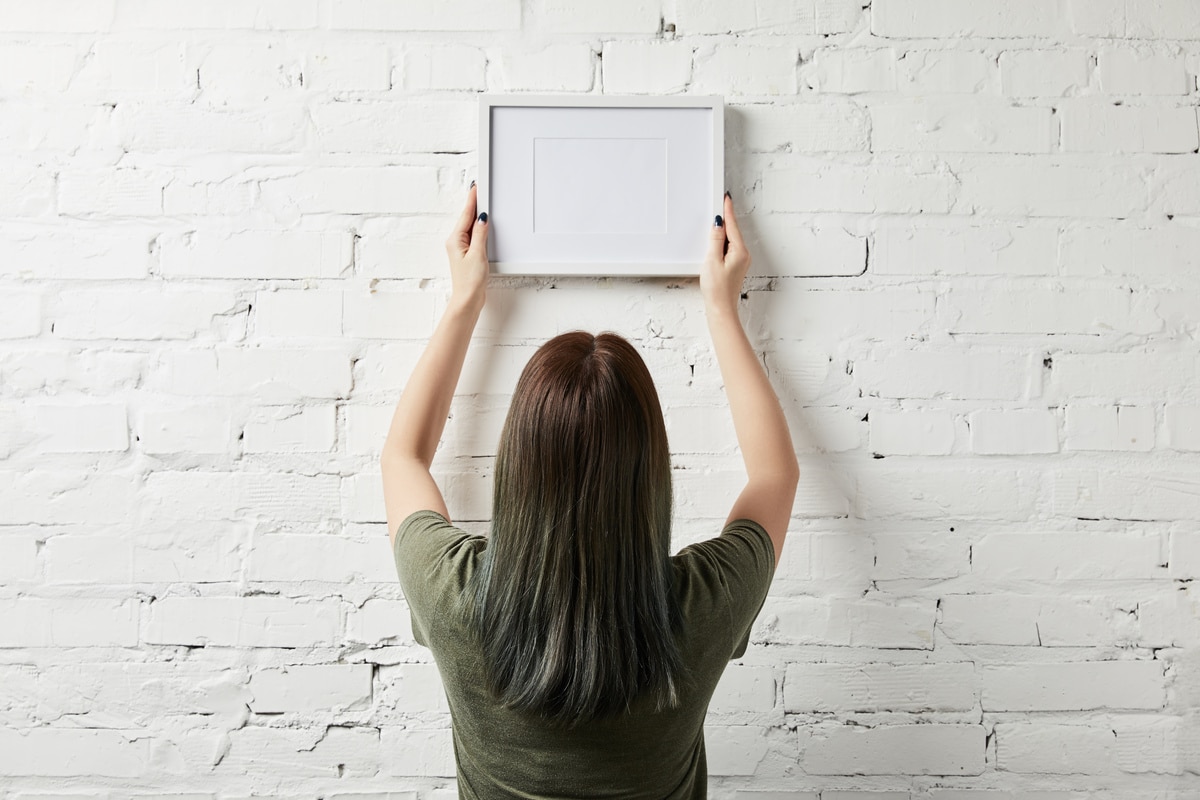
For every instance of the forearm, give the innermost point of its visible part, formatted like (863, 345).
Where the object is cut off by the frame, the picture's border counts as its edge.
(424, 405)
(758, 420)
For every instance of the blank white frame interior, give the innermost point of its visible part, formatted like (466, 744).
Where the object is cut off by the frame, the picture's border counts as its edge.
(600, 184)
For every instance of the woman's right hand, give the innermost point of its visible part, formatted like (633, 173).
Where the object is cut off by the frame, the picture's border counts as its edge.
(726, 263)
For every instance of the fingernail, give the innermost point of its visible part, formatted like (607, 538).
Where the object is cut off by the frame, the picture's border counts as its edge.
(727, 193)
(483, 216)
(718, 222)
(473, 183)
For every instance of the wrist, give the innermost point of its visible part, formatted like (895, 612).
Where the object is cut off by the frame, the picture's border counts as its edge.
(721, 311)
(465, 304)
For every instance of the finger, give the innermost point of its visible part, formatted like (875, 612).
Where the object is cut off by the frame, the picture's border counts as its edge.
(463, 227)
(716, 239)
(479, 234)
(734, 232)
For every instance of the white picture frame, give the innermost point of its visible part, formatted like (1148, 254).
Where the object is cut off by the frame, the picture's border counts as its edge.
(600, 185)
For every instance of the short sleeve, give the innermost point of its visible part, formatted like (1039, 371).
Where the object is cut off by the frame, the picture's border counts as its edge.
(743, 560)
(434, 561)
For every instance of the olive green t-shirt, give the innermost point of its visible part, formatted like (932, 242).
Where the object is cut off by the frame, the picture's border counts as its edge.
(720, 586)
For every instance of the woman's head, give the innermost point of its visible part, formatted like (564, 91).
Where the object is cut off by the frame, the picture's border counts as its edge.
(574, 599)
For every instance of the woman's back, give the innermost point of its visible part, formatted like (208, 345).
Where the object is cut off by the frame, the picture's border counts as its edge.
(719, 586)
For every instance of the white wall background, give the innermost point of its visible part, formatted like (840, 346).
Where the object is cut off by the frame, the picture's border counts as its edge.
(976, 236)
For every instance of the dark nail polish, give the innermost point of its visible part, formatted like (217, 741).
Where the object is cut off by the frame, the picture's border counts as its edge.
(718, 222)
(473, 183)
(727, 193)
(483, 216)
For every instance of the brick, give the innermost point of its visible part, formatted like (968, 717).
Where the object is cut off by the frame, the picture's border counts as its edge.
(269, 374)
(617, 16)
(923, 72)
(20, 315)
(931, 749)
(1097, 17)
(418, 688)
(1127, 70)
(800, 127)
(949, 18)
(1183, 427)
(131, 68)
(219, 14)
(448, 125)
(68, 622)
(1053, 309)
(1184, 558)
(1063, 187)
(376, 314)
(554, 68)
(193, 428)
(1013, 431)
(1044, 73)
(936, 126)
(871, 189)
(418, 752)
(1174, 188)
(1161, 19)
(348, 67)
(60, 752)
(241, 622)
(442, 68)
(911, 432)
(1088, 126)
(960, 374)
(78, 251)
(1153, 255)
(1127, 378)
(734, 749)
(905, 248)
(18, 558)
(174, 495)
(37, 68)
(37, 127)
(335, 559)
(288, 429)
(1168, 618)
(1133, 744)
(1119, 428)
(846, 622)
(784, 245)
(1137, 494)
(805, 17)
(1029, 620)
(82, 427)
(1057, 556)
(1081, 686)
(168, 127)
(311, 687)
(353, 190)
(841, 687)
(380, 620)
(383, 15)
(26, 191)
(149, 313)
(851, 70)
(646, 67)
(755, 68)
(918, 553)
(250, 71)
(311, 753)
(56, 16)
(884, 489)
(111, 193)
(292, 313)
(744, 688)
(840, 315)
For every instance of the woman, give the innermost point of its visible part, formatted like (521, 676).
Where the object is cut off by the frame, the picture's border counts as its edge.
(578, 656)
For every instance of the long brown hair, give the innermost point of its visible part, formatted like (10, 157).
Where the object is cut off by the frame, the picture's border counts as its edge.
(573, 603)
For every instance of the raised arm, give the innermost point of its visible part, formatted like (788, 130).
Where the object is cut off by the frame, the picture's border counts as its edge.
(420, 415)
(771, 467)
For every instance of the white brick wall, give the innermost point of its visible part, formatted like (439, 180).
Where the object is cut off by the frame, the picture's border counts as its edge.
(976, 239)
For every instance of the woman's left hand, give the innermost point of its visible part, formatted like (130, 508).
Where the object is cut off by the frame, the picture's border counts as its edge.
(467, 249)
